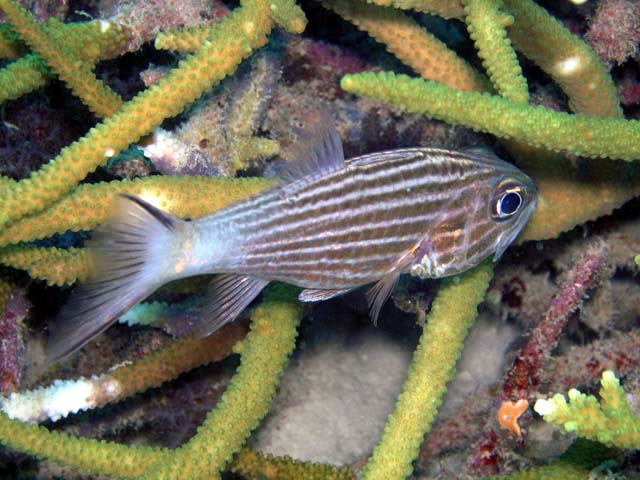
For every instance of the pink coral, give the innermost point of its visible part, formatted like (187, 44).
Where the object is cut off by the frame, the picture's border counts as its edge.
(614, 31)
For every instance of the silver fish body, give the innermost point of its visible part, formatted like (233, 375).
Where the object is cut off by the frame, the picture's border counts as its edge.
(336, 225)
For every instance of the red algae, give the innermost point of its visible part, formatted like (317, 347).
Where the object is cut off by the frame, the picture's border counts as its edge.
(11, 342)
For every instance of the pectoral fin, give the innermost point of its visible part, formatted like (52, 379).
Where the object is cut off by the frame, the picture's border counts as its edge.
(228, 296)
(378, 294)
(319, 294)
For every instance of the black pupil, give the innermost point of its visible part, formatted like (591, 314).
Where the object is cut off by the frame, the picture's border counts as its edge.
(510, 203)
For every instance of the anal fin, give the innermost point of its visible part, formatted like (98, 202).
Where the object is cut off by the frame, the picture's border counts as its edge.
(319, 294)
(228, 296)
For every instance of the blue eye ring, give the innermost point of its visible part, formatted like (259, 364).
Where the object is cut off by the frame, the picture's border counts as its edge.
(507, 202)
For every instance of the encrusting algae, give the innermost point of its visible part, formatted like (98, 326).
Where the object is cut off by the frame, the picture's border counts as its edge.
(543, 141)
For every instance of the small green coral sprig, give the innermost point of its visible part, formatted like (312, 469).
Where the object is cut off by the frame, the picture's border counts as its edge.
(610, 421)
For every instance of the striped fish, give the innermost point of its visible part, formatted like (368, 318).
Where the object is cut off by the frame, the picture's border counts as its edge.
(332, 226)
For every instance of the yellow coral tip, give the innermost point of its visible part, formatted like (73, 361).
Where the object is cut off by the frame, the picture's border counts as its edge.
(238, 347)
(573, 394)
(297, 26)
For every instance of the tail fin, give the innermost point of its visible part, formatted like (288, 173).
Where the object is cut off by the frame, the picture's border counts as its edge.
(128, 257)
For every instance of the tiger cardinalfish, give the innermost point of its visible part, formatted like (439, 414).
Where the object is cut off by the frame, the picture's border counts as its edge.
(332, 226)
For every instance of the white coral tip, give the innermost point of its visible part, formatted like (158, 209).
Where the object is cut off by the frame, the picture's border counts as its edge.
(544, 407)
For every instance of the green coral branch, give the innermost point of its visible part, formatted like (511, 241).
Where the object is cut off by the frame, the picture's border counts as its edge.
(535, 125)
(284, 12)
(610, 421)
(253, 464)
(452, 314)
(444, 8)
(90, 41)
(486, 25)
(57, 266)
(81, 454)
(22, 76)
(550, 45)
(264, 355)
(411, 44)
(237, 35)
(565, 57)
(77, 75)
(182, 39)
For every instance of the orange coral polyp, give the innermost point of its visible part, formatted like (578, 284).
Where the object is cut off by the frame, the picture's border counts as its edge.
(510, 412)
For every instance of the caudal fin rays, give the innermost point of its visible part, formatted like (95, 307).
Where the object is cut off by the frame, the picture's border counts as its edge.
(126, 265)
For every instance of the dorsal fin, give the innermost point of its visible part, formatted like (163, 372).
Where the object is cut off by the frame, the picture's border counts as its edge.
(481, 153)
(317, 152)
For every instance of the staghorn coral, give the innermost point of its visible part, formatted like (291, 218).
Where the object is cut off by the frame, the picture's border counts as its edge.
(446, 9)
(264, 355)
(210, 64)
(256, 465)
(486, 25)
(64, 397)
(610, 421)
(57, 266)
(64, 62)
(89, 42)
(540, 127)
(452, 313)
(410, 43)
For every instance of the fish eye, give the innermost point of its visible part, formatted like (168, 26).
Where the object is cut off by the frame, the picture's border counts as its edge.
(507, 202)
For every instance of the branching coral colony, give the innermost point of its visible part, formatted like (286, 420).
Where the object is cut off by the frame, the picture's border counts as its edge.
(543, 141)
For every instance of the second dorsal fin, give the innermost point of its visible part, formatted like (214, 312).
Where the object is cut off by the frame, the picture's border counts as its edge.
(317, 152)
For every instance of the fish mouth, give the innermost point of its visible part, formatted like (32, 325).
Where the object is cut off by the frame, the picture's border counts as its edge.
(507, 237)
